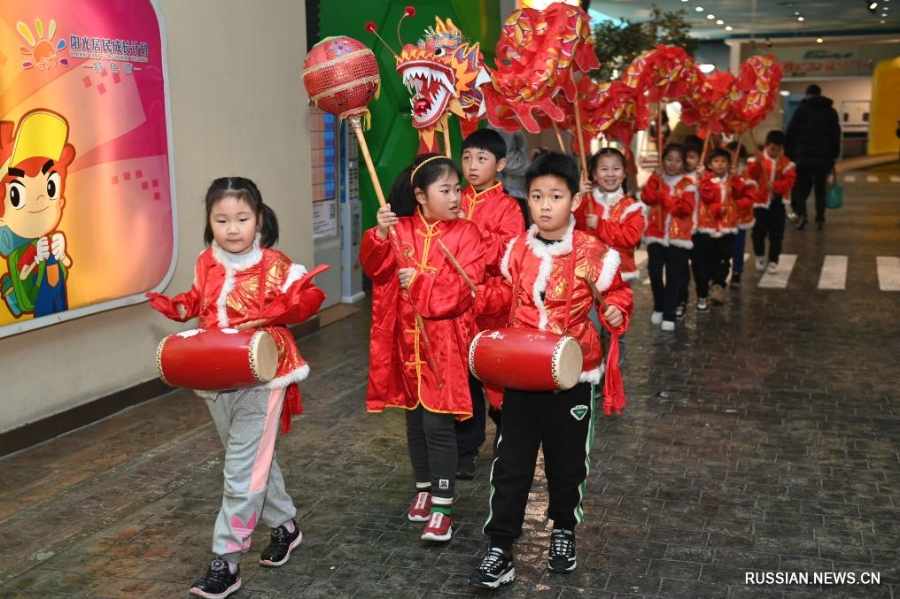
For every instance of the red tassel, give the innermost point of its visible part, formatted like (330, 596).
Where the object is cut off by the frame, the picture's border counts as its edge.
(409, 11)
(370, 27)
(292, 406)
(613, 389)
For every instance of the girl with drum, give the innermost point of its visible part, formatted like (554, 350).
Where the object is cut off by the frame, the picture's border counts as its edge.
(421, 326)
(552, 276)
(241, 283)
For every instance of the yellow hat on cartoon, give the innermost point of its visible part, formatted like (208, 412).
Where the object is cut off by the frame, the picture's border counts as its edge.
(41, 134)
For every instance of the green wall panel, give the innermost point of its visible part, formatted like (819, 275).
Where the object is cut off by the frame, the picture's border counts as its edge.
(392, 139)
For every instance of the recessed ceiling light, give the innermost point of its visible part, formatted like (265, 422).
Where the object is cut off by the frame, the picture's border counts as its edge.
(699, 9)
(819, 40)
(710, 17)
(730, 28)
(785, 93)
(707, 68)
(873, 6)
(720, 22)
(883, 14)
(801, 19)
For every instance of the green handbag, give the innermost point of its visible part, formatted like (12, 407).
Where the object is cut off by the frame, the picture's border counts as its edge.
(834, 197)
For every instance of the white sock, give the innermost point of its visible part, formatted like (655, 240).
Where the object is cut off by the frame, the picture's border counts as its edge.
(289, 525)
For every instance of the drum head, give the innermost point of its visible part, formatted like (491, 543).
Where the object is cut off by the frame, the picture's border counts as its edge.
(263, 356)
(567, 362)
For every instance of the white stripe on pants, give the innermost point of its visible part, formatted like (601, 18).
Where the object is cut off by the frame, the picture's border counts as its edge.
(247, 421)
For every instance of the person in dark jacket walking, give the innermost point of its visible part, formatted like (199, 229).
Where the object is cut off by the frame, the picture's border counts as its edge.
(813, 143)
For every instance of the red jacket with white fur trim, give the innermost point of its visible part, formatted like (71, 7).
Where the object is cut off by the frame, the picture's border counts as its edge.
(775, 178)
(722, 198)
(538, 272)
(670, 213)
(620, 224)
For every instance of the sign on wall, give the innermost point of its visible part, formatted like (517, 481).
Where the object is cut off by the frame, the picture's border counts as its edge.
(86, 204)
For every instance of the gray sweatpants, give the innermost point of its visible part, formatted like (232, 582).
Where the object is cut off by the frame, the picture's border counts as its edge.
(247, 421)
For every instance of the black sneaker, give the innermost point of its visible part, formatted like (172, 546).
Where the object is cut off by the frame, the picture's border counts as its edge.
(279, 550)
(735, 280)
(218, 582)
(562, 551)
(495, 569)
(465, 466)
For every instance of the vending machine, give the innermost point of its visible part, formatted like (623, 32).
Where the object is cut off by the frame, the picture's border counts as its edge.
(351, 216)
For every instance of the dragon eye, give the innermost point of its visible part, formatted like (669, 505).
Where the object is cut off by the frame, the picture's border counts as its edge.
(438, 51)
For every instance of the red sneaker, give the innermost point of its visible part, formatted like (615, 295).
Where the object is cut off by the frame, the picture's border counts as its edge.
(438, 528)
(420, 510)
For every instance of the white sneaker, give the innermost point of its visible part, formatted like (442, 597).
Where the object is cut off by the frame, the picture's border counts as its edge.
(668, 325)
(773, 267)
(656, 318)
(760, 263)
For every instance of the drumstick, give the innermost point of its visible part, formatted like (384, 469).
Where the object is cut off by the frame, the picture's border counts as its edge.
(457, 266)
(596, 294)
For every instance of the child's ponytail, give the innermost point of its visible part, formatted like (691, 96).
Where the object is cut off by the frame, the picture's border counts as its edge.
(269, 230)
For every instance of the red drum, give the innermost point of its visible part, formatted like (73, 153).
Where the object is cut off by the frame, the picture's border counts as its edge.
(216, 359)
(526, 359)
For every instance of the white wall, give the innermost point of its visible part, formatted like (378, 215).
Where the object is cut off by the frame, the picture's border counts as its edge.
(238, 107)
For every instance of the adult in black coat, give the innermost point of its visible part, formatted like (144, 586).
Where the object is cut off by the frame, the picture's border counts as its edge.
(813, 143)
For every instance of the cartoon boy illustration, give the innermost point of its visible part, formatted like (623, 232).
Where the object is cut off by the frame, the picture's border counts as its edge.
(33, 166)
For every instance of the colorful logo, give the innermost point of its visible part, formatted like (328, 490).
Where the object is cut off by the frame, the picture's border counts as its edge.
(41, 50)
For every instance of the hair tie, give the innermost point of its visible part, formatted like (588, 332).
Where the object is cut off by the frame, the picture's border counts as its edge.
(420, 165)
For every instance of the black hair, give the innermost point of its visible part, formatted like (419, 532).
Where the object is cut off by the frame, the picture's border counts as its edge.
(813, 90)
(674, 148)
(595, 158)
(246, 190)
(553, 164)
(775, 137)
(718, 153)
(487, 140)
(403, 192)
(741, 150)
(693, 143)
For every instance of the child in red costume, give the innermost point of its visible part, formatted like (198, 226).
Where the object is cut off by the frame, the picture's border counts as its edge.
(775, 176)
(671, 197)
(240, 283)
(548, 273)
(499, 218)
(421, 327)
(722, 194)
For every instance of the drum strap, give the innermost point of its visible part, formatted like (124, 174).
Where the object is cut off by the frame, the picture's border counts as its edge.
(570, 275)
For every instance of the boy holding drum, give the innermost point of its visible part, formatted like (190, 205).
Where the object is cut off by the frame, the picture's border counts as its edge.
(550, 277)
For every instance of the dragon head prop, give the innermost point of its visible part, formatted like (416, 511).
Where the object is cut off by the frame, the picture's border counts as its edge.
(443, 73)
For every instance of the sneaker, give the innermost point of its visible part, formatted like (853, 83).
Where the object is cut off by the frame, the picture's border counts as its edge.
(495, 569)
(562, 551)
(465, 466)
(668, 325)
(702, 304)
(717, 295)
(773, 267)
(735, 281)
(420, 510)
(279, 550)
(656, 318)
(218, 582)
(760, 263)
(680, 310)
(801, 222)
(439, 528)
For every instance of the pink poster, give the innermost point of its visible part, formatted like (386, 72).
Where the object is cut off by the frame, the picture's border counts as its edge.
(86, 204)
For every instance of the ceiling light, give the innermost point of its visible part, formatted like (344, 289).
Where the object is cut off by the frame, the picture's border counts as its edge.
(720, 22)
(699, 9)
(710, 17)
(707, 68)
(819, 40)
(873, 6)
(730, 28)
(801, 19)
(883, 14)
(785, 93)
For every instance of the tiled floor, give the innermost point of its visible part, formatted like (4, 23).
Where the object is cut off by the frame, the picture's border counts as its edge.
(760, 438)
